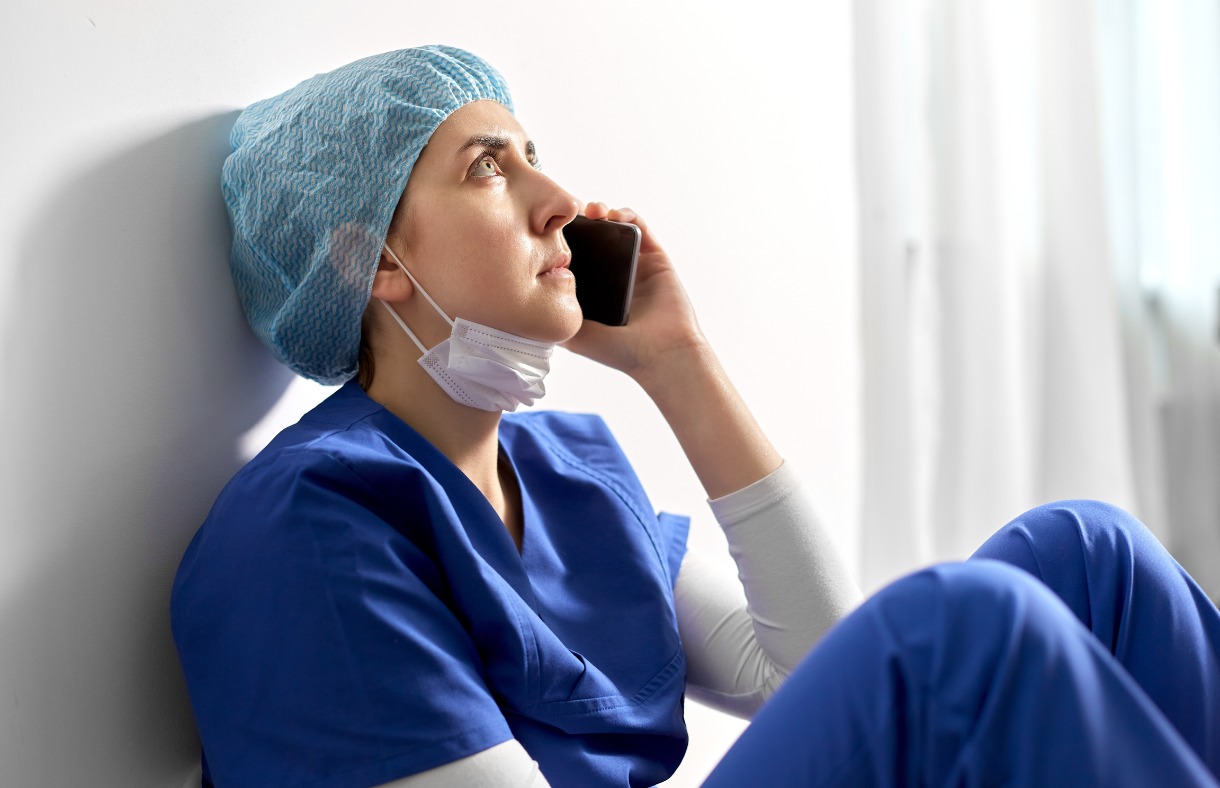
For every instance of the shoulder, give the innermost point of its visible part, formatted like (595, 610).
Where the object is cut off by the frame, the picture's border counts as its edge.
(577, 428)
(339, 445)
(574, 446)
(332, 481)
(581, 437)
(315, 512)
(302, 490)
(302, 470)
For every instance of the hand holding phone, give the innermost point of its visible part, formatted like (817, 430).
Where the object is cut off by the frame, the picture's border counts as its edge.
(662, 318)
(604, 259)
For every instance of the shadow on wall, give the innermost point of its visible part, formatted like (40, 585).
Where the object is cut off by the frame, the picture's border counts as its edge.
(138, 376)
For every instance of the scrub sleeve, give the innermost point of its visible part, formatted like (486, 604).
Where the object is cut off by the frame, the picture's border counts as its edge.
(340, 664)
(928, 682)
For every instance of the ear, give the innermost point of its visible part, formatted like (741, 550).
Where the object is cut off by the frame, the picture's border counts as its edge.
(390, 283)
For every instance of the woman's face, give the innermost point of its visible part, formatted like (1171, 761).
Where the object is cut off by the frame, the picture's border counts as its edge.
(482, 231)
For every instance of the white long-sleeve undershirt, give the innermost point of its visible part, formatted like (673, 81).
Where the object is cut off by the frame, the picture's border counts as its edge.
(742, 639)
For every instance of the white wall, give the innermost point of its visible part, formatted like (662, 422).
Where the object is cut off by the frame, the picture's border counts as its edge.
(132, 388)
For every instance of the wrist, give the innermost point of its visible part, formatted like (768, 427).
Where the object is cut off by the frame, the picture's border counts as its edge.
(721, 439)
(666, 374)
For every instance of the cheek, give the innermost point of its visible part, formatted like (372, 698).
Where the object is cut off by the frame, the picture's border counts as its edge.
(468, 254)
(497, 257)
(484, 263)
(489, 269)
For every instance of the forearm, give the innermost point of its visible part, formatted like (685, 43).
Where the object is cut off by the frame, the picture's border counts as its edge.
(716, 430)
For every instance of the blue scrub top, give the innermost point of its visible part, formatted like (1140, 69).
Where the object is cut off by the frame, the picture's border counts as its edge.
(354, 611)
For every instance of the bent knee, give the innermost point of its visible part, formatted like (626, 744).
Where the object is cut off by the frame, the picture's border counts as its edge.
(959, 580)
(985, 582)
(1065, 531)
(962, 618)
(970, 597)
(1083, 516)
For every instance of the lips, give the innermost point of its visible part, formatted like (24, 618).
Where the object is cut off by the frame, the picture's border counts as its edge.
(558, 266)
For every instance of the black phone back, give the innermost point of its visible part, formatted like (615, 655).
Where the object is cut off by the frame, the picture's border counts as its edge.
(604, 256)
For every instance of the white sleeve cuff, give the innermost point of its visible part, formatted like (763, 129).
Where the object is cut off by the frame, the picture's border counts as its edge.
(506, 765)
(740, 505)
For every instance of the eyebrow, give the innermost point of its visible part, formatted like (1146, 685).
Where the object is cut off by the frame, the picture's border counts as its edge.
(485, 141)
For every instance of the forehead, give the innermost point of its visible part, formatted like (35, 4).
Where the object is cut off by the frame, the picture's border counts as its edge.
(478, 118)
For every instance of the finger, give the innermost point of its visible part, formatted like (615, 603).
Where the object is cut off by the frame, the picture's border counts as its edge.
(596, 210)
(648, 241)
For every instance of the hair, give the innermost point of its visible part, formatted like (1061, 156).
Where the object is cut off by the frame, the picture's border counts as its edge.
(366, 367)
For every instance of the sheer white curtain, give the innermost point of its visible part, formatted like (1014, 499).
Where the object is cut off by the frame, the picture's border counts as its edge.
(1160, 82)
(1011, 355)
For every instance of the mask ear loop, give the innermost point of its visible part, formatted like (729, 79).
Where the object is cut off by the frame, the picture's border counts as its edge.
(394, 257)
(410, 333)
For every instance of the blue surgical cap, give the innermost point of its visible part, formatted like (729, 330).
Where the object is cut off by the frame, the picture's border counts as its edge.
(312, 184)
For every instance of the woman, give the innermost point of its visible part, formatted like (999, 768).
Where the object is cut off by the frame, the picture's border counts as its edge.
(410, 588)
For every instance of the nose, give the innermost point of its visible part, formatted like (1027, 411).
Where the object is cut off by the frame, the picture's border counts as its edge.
(553, 207)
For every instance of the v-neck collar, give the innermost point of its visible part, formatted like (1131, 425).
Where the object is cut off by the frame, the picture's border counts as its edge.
(529, 514)
(483, 526)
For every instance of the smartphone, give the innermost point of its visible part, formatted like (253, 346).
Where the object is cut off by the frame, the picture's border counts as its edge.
(604, 256)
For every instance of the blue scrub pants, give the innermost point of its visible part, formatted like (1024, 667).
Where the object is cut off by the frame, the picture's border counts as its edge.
(1070, 650)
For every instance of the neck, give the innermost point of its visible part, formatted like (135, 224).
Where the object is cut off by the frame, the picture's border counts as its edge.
(469, 437)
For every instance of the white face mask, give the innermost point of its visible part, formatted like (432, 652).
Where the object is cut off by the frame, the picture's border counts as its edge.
(480, 366)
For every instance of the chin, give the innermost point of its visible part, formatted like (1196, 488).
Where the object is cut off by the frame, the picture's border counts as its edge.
(573, 328)
(559, 323)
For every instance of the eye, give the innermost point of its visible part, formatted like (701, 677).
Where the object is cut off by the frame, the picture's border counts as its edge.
(531, 155)
(485, 167)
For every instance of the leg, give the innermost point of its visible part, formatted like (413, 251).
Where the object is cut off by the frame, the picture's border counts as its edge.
(1143, 607)
(970, 674)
